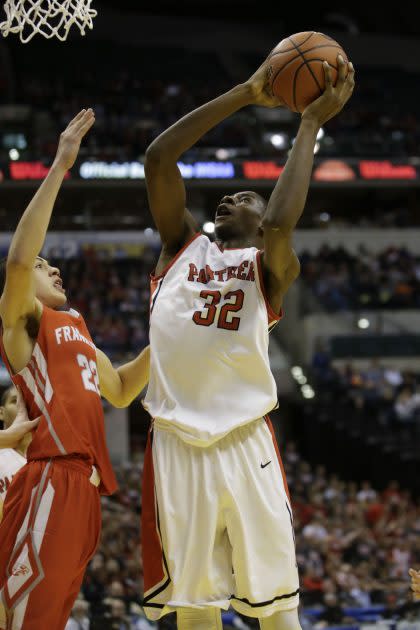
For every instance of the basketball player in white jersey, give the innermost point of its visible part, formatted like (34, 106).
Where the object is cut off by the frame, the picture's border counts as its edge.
(217, 523)
(11, 459)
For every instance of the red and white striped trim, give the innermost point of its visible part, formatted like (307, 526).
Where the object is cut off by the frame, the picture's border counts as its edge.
(42, 367)
(42, 394)
(19, 585)
(272, 316)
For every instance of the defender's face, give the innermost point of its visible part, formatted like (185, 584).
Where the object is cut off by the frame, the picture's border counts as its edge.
(8, 411)
(238, 215)
(48, 284)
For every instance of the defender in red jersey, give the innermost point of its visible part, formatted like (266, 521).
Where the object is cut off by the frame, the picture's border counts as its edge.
(51, 523)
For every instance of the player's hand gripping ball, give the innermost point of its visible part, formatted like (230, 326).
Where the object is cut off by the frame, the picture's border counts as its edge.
(295, 68)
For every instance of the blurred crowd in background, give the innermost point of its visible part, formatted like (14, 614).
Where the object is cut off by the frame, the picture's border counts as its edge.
(141, 90)
(354, 547)
(113, 294)
(343, 281)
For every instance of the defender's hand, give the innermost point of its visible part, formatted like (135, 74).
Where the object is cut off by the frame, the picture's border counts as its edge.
(333, 99)
(21, 426)
(71, 138)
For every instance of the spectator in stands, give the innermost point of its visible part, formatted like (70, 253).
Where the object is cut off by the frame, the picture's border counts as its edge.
(366, 492)
(117, 618)
(79, 619)
(315, 530)
(139, 620)
(407, 404)
(312, 586)
(332, 613)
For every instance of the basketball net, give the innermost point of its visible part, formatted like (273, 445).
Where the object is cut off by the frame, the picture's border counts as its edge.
(50, 18)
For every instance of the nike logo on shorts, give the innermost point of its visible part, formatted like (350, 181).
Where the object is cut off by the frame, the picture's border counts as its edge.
(264, 465)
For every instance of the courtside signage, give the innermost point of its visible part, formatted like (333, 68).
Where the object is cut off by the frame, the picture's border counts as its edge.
(135, 170)
(325, 170)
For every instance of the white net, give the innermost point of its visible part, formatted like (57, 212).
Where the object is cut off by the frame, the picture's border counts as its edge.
(50, 18)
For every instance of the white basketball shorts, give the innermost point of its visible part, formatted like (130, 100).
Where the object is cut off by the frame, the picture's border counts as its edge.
(217, 526)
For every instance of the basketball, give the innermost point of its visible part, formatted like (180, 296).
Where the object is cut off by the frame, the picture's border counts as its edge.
(295, 67)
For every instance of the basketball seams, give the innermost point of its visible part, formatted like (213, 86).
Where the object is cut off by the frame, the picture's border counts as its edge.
(284, 50)
(284, 66)
(310, 70)
(304, 51)
(322, 61)
(323, 46)
(284, 99)
(297, 72)
(302, 54)
(299, 55)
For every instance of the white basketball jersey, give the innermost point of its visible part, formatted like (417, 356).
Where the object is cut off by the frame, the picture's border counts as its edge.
(10, 462)
(209, 324)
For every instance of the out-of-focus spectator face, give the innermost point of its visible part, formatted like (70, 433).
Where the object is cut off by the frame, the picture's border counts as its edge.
(112, 566)
(80, 609)
(97, 562)
(116, 589)
(118, 609)
(330, 599)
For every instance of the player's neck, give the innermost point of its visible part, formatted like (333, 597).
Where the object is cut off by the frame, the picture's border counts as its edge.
(237, 243)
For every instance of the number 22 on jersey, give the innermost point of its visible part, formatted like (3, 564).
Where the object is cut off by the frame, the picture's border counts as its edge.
(89, 373)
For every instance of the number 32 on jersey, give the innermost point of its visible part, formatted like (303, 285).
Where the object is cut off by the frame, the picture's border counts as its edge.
(223, 315)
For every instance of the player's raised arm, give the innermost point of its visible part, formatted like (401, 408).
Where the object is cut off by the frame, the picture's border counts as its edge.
(165, 187)
(18, 299)
(288, 198)
(120, 386)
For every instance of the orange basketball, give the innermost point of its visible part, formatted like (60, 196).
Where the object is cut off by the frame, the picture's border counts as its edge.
(295, 67)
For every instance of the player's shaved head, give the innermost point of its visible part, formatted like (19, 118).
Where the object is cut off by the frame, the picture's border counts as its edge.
(262, 201)
(257, 196)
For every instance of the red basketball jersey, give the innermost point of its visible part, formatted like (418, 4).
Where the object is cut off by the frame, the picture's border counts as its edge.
(61, 384)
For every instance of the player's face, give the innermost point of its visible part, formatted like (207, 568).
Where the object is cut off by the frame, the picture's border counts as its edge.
(48, 284)
(239, 216)
(8, 411)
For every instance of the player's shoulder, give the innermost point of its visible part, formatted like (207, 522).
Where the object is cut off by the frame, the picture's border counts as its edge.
(66, 313)
(198, 244)
(71, 312)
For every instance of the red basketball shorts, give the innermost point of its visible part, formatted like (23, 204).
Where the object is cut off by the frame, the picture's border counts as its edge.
(50, 530)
